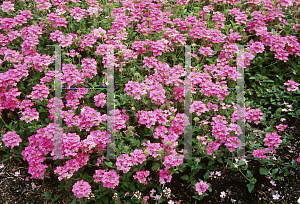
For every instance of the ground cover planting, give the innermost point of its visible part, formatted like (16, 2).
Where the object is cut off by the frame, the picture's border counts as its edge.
(139, 101)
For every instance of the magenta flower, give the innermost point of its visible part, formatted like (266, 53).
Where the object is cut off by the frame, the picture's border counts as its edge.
(81, 189)
(201, 187)
(11, 139)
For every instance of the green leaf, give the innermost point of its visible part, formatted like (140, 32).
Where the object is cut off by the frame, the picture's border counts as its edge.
(74, 201)
(249, 174)
(206, 175)
(48, 195)
(155, 166)
(250, 187)
(263, 171)
(131, 186)
(274, 171)
(105, 199)
(56, 197)
(185, 177)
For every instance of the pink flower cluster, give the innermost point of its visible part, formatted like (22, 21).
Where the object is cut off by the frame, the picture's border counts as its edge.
(40, 92)
(201, 187)
(82, 189)
(272, 140)
(259, 153)
(7, 6)
(89, 67)
(119, 119)
(164, 176)
(136, 89)
(100, 100)
(11, 139)
(110, 179)
(250, 115)
(71, 75)
(78, 13)
(124, 161)
(199, 107)
(281, 127)
(294, 85)
(90, 117)
(141, 176)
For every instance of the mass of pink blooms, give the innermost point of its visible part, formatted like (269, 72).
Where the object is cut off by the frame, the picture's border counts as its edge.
(168, 125)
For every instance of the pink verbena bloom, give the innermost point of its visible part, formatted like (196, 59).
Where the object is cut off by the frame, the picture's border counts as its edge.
(198, 107)
(11, 139)
(272, 140)
(81, 189)
(294, 85)
(141, 176)
(298, 160)
(259, 153)
(109, 179)
(7, 6)
(201, 187)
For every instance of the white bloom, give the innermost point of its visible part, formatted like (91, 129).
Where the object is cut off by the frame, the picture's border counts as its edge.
(284, 110)
(282, 119)
(276, 197)
(223, 194)
(298, 200)
(273, 183)
(171, 202)
(33, 185)
(157, 197)
(1, 166)
(218, 173)
(17, 173)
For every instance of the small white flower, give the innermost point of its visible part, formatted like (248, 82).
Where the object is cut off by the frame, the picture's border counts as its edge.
(218, 173)
(233, 201)
(298, 200)
(282, 119)
(223, 194)
(33, 185)
(171, 202)
(236, 166)
(276, 197)
(157, 197)
(1, 166)
(17, 173)
(284, 110)
(273, 183)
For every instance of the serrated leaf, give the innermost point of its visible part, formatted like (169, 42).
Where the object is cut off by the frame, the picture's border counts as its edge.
(185, 177)
(155, 166)
(48, 195)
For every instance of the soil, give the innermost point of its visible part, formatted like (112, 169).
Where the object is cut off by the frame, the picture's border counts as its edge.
(15, 189)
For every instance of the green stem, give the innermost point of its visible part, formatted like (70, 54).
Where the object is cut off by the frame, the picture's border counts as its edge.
(244, 175)
(4, 122)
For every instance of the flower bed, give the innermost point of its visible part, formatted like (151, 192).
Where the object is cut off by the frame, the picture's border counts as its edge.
(150, 118)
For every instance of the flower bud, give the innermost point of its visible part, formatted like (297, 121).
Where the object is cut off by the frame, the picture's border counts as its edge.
(197, 160)
(169, 143)
(186, 35)
(196, 119)
(146, 152)
(136, 74)
(131, 128)
(166, 75)
(172, 118)
(149, 19)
